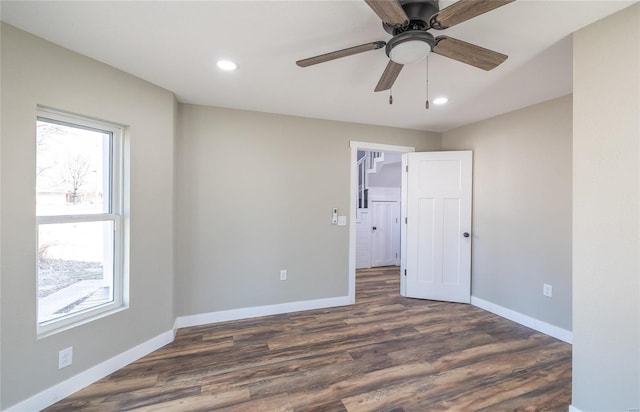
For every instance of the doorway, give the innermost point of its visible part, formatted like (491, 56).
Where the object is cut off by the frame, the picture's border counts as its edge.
(368, 147)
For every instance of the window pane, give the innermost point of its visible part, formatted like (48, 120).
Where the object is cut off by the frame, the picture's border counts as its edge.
(73, 172)
(75, 267)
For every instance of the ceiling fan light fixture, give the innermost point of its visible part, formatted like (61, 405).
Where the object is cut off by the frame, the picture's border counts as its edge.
(410, 47)
(410, 52)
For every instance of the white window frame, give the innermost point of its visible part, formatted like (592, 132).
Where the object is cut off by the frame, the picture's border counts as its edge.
(115, 215)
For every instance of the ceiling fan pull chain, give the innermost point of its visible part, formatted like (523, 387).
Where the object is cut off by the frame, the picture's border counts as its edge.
(390, 96)
(426, 104)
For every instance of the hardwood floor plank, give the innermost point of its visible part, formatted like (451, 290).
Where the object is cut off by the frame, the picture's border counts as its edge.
(280, 370)
(196, 348)
(109, 387)
(385, 353)
(203, 402)
(276, 403)
(311, 396)
(148, 397)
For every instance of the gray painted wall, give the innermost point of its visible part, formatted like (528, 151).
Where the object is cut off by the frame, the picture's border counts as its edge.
(254, 196)
(522, 208)
(389, 176)
(37, 72)
(606, 219)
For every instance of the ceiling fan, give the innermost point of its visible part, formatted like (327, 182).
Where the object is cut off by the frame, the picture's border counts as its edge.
(408, 21)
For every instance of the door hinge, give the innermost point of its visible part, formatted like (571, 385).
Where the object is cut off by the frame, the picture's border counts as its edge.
(396, 256)
(406, 168)
(405, 220)
(405, 272)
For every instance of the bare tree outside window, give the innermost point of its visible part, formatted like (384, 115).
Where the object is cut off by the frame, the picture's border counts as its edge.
(75, 175)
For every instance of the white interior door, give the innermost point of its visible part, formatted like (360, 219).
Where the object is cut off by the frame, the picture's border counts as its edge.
(438, 225)
(385, 229)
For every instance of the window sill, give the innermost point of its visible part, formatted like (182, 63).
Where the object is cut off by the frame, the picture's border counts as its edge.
(60, 325)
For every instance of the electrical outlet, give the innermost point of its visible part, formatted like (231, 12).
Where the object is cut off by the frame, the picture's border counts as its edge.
(283, 274)
(65, 357)
(547, 290)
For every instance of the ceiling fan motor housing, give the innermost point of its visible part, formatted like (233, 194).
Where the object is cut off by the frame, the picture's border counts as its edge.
(414, 45)
(419, 13)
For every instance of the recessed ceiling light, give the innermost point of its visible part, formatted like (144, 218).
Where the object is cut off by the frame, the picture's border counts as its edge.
(227, 65)
(440, 100)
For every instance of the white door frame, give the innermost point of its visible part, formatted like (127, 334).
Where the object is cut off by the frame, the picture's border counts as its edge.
(370, 147)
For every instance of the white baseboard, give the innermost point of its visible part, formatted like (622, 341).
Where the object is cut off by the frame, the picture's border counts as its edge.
(574, 409)
(252, 312)
(65, 388)
(528, 321)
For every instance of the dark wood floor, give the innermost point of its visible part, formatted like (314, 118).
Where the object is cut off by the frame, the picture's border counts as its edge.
(386, 353)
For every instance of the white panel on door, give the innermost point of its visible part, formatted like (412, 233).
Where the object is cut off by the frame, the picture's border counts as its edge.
(439, 176)
(424, 250)
(451, 241)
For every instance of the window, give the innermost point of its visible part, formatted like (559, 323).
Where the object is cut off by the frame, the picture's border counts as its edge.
(79, 220)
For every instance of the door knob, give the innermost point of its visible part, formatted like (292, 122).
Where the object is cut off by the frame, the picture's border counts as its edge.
(465, 234)
(374, 228)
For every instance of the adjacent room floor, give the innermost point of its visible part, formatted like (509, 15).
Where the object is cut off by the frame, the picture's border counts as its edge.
(386, 353)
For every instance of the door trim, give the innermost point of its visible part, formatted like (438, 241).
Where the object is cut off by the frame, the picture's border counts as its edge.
(355, 146)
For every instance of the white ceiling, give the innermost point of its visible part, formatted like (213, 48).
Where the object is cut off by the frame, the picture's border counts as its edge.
(175, 45)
